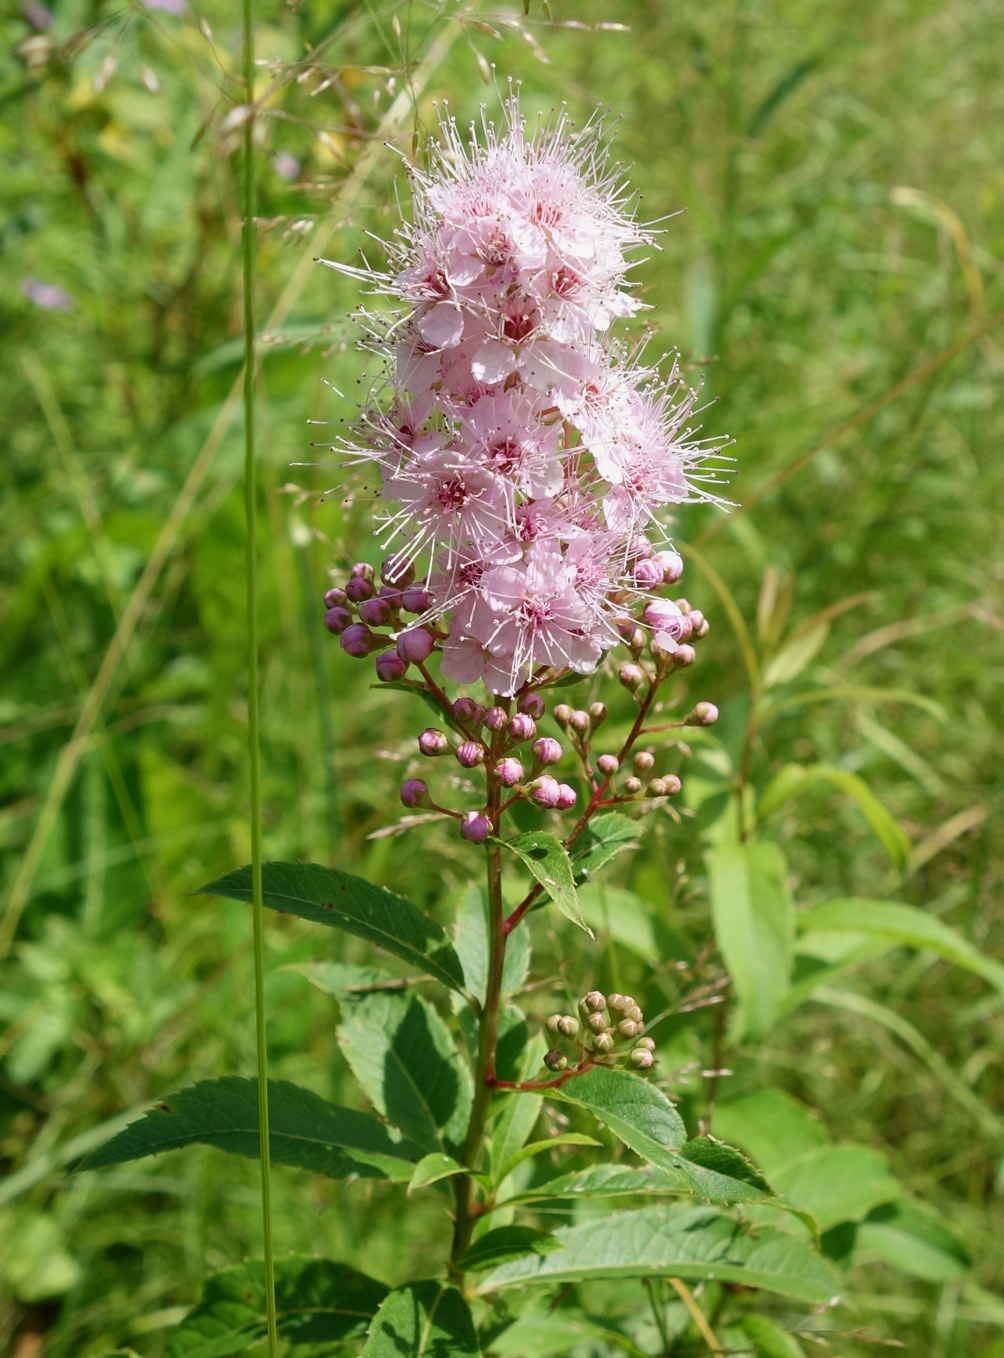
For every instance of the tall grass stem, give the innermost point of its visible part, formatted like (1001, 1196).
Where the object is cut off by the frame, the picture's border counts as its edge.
(254, 716)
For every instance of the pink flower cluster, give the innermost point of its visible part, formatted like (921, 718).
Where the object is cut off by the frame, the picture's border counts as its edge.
(522, 453)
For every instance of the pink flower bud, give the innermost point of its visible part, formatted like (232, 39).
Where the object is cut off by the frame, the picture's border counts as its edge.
(362, 570)
(704, 714)
(579, 721)
(684, 656)
(470, 754)
(545, 791)
(395, 571)
(475, 827)
(359, 589)
(547, 750)
(567, 797)
(642, 1059)
(337, 619)
(495, 718)
(647, 574)
(390, 667)
(683, 605)
(632, 787)
(631, 676)
(432, 742)
(562, 714)
(696, 619)
(597, 714)
(555, 1060)
(672, 783)
(668, 623)
(357, 640)
(672, 566)
(532, 704)
(334, 597)
(414, 598)
(522, 727)
(415, 645)
(608, 764)
(657, 787)
(509, 772)
(392, 594)
(467, 710)
(701, 631)
(643, 761)
(376, 612)
(415, 792)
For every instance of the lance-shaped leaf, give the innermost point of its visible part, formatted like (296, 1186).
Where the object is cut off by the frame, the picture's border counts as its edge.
(603, 839)
(317, 1302)
(423, 1320)
(701, 1244)
(548, 861)
(402, 1054)
(608, 1181)
(634, 1110)
(505, 1243)
(342, 901)
(304, 1130)
(720, 1173)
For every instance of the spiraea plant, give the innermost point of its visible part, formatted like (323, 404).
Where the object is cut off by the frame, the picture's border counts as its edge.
(524, 459)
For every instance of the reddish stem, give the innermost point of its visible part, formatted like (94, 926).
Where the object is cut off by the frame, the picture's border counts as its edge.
(556, 1083)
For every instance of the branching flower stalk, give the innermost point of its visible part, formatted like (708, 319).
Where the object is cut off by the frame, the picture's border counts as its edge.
(523, 458)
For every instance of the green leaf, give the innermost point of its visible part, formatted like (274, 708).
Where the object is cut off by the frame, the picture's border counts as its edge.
(912, 1238)
(423, 1320)
(304, 1130)
(341, 901)
(901, 924)
(542, 1147)
(317, 1301)
(786, 86)
(771, 1125)
(634, 1110)
(696, 1243)
(505, 1243)
(429, 699)
(794, 655)
(470, 939)
(608, 1181)
(720, 1173)
(769, 1340)
(838, 1183)
(432, 1168)
(540, 1331)
(342, 978)
(795, 779)
(754, 926)
(402, 1054)
(548, 861)
(605, 837)
(703, 1167)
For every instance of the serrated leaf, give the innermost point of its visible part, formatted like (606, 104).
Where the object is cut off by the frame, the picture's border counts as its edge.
(505, 1243)
(795, 779)
(701, 1244)
(402, 1054)
(423, 1320)
(901, 924)
(609, 1181)
(754, 927)
(304, 1130)
(542, 1147)
(605, 837)
(317, 1301)
(341, 901)
(720, 1173)
(634, 1110)
(548, 861)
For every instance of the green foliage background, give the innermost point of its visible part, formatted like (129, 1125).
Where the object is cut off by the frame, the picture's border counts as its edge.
(841, 175)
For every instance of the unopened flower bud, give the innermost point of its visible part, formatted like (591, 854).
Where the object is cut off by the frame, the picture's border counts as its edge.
(475, 827)
(627, 1028)
(334, 597)
(597, 714)
(415, 645)
(391, 594)
(375, 611)
(552, 1023)
(634, 1015)
(631, 676)
(432, 742)
(470, 754)
(603, 1043)
(647, 574)
(656, 788)
(594, 1002)
(395, 571)
(632, 787)
(597, 1023)
(567, 797)
(673, 784)
(608, 764)
(668, 624)
(362, 570)
(495, 718)
(466, 709)
(532, 704)
(637, 641)
(579, 721)
(415, 792)
(672, 566)
(390, 667)
(701, 632)
(646, 1044)
(562, 714)
(704, 714)
(546, 750)
(509, 772)
(359, 589)
(337, 619)
(696, 619)
(414, 598)
(642, 1059)
(555, 1060)
(522, 726)
(615, 1002)
(568, 1026)
(545, 791)
(683, 605)
(684, 656)
(357, 640)
(643, 761)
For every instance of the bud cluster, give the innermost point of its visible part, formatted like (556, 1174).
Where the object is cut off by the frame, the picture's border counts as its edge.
(605, 1028)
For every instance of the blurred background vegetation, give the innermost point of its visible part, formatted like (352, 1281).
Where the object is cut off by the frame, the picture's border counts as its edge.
(835, 275)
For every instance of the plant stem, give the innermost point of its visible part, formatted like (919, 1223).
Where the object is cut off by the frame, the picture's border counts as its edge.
(488, 1031)
(254, 723)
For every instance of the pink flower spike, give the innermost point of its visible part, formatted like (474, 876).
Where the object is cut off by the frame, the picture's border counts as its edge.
(475, 827)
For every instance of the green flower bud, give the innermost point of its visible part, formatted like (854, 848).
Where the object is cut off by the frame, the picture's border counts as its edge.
(594, 1002)
(657, 787)
(616, 1002)
(603, 1043)
(642, 1059)
(646, 1044)
(627, 1028)
(568, 1026)
(632, 787)
(634, 1014)
(597, 1023)
(643, 761)
(555, 1060)
(597, 714)
(552, 1023)
(562, 714)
